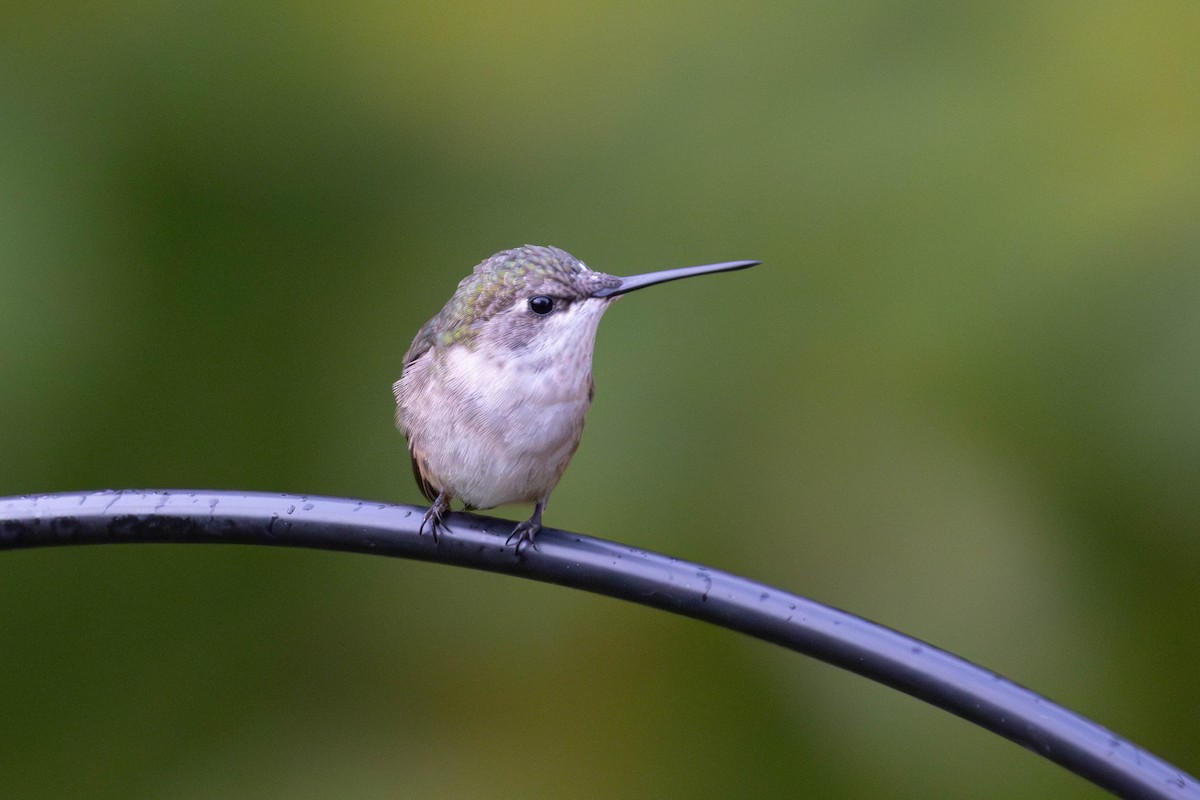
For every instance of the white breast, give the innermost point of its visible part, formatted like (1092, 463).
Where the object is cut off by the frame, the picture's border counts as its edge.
(496, 426)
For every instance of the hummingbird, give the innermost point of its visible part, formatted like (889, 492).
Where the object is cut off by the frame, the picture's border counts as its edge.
(493, 391)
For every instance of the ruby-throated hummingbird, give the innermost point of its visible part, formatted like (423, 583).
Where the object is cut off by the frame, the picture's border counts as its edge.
(494, 388)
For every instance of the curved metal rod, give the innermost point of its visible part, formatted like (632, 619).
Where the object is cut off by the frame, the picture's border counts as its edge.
(616, 570)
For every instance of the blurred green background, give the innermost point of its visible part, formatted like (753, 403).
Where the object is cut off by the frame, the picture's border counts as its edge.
(959, 398)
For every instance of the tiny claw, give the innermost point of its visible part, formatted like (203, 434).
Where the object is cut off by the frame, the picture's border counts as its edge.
(525, 531)
(433, 518)
(523, 535)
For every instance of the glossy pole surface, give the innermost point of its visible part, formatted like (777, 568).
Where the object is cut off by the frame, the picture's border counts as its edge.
(616, 570)
(651, 278)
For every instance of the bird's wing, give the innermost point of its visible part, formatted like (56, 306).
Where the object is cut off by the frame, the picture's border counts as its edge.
(421, 344)
(423, 483)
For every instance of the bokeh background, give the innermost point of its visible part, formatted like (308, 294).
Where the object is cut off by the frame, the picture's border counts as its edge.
(961, 397)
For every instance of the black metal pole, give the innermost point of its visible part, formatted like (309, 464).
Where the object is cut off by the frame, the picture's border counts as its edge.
(616, 570)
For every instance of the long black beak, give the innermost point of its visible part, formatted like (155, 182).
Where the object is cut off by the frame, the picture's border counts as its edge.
(651, 278)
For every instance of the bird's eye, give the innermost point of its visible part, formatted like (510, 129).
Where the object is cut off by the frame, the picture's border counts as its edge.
(541, 305)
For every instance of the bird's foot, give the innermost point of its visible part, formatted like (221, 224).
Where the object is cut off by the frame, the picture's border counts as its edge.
(433, 517)
(523, 535)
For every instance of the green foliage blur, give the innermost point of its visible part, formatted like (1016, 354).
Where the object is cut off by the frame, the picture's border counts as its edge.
(961, 397)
